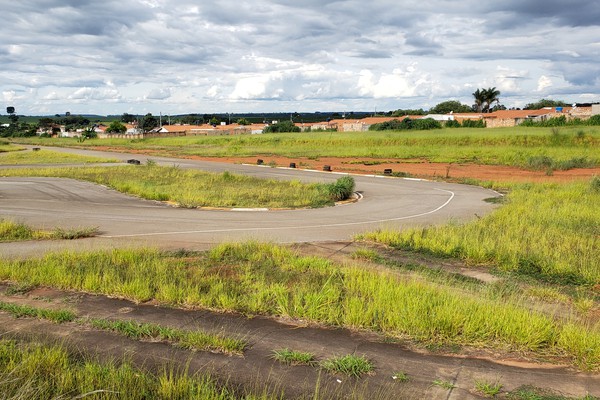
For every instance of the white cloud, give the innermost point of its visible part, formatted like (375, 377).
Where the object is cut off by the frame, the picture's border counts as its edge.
(543, 83)
(159, 94)
(276, 55)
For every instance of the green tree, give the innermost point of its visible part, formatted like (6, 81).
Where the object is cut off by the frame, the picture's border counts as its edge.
(283, 126)
(484, 98)
(450, 106)
(128, 118)
(491, 96)
(149, 122)
(479, 96)
(401, 112)
(545, 103)
(243, 121)
(116, 127)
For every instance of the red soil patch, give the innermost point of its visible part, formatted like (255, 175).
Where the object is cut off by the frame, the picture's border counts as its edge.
(417, 168)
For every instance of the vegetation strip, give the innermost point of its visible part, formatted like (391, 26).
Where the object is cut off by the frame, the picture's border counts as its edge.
(11, 231)
(517, 146)
(191, 340)
(31, 371)
(191, 188)
(255, 278)
(48, 157)
(58, 316)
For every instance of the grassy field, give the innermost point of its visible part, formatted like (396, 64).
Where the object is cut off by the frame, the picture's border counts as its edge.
(47, 157)
(265, 279)
(547, 231)
(189, 188)
(31, 371)
(534, 148)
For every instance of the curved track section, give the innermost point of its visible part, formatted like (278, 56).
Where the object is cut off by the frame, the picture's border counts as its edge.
(386, 203)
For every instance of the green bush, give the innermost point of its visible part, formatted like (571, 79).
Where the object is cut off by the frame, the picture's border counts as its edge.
(473, 123)
(283, 126)
(426, 124)
(594, 120)
(342, 189)
(452, 124)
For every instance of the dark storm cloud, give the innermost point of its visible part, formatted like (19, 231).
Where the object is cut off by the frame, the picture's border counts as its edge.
(570, 13)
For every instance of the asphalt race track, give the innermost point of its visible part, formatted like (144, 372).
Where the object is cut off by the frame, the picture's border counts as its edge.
(393, 203)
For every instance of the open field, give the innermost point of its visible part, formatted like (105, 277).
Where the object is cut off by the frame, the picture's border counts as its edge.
(534, 148)
(541, 247)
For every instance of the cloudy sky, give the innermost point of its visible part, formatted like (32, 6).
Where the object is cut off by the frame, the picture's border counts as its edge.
(184, 56)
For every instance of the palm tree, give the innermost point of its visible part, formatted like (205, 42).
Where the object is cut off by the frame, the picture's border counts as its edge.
(480, 99)
(491, 96)
(484, 98)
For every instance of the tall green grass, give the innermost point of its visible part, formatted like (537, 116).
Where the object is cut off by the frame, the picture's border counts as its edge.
(264, 279)
(502, 146)
(548, 231)
(191, 188)
(31, 371)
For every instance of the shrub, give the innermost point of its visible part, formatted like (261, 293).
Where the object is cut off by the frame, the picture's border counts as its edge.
(594, 120)
(426, 124)
(452, 124)
(342, 189)
(283, 126)
(473, 123)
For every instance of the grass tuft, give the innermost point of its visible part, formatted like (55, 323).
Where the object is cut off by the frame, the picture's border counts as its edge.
(292, 357)
(350, 365)
(488, 389)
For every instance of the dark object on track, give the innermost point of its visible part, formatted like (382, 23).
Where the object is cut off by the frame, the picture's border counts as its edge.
(133, 161)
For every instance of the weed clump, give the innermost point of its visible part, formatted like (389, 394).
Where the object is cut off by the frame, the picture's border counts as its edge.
(342, 189)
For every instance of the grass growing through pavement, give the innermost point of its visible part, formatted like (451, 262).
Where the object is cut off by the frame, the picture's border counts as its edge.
(191, 340)
(351, 365)
(19, 311)
(488, 389)
(547, 231)
(48, 157)
(11, 231)
(30, 371)
(292, 357)
(265, 279)
(518, 146)
(191, 188)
